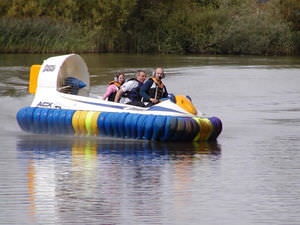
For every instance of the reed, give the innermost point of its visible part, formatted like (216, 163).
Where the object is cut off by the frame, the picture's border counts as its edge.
(42, 36)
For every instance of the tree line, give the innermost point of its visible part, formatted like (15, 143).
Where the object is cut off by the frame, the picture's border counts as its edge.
(151, 26)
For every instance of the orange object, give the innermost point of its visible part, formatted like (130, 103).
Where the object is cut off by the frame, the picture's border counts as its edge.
(186, 104)
(34, 74)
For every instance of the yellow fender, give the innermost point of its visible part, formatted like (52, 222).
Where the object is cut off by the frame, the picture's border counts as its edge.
(78, 122)
(81, 121)
(91, 123)
(206, 128)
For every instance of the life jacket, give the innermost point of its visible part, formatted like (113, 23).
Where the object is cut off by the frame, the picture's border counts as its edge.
(133, 94)
(115, 83)
(157, 89)
(112, 96)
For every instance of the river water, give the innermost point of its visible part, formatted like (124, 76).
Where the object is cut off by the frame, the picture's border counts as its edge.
(251, 175)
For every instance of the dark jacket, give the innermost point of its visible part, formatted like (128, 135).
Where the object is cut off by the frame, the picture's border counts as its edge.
(151, 89)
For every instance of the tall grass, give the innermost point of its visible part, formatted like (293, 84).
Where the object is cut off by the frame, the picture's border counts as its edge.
(42, 35)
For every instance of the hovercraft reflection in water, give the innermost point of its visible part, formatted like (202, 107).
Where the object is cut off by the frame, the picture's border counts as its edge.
(66, 173)
(62, 106)
(51, 147)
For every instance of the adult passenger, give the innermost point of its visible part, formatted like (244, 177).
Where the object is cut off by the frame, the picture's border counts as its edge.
(113, 87)
(129, 91)
(154, 89)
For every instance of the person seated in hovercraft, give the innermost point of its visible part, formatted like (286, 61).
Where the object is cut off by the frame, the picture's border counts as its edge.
(129, 91)
(113, 87)
(154, 89)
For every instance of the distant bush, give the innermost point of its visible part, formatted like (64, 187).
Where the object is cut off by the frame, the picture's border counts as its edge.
(253, 32)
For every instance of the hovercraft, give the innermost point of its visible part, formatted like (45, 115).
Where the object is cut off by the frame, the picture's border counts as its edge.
(62, 105)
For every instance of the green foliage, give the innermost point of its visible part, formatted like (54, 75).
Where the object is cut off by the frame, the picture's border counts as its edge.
(39, 36)
(290, 9)
(111, 27)
(253, 31)
(150, 26)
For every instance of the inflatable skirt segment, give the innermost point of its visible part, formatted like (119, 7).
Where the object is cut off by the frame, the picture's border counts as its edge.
(118, 124)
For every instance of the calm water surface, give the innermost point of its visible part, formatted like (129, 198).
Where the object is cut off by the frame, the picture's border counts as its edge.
(250, 176)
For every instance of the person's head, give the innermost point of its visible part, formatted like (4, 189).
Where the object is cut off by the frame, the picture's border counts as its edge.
(120, 78)
(159, 73)
(140, 76)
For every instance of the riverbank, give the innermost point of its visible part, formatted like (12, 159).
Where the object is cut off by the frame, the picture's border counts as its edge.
(176, 27)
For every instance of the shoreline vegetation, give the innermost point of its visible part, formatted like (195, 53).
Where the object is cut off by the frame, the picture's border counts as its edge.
(249, 27)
